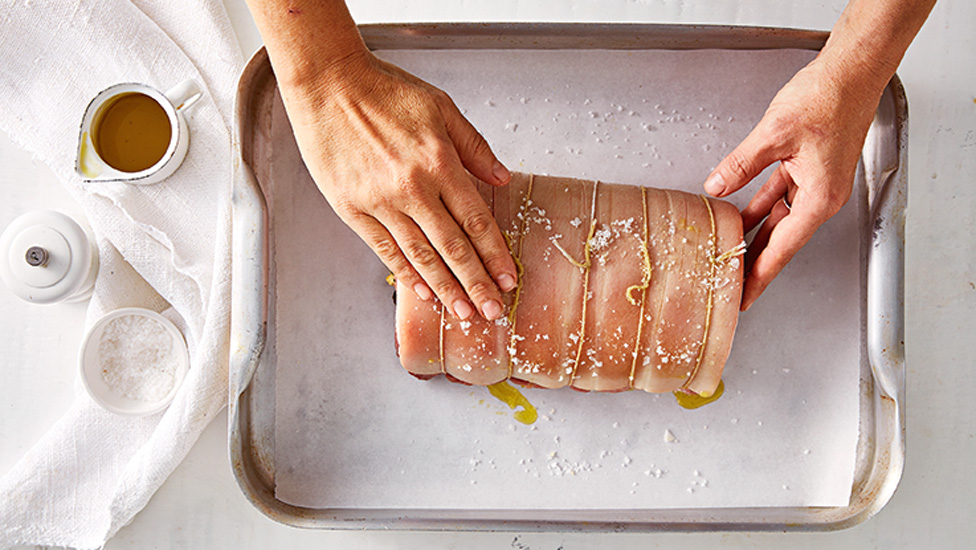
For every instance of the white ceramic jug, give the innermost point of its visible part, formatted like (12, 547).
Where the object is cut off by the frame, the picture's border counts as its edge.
(92, 164)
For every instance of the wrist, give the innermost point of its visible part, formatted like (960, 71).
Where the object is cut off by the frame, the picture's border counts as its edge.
(870, 38)
(849, 65)
(323, 77)
(853, 79)
(308, 41)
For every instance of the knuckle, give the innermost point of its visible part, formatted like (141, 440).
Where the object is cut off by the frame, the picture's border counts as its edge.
(441, 98)
(346, 208)
(456, 249)
(442, 158)
(386, 249)
(480, 289)
(739, 165)
(407, 181)
(421, 254)
(410, 187)
(477, 224)
(830, 202)
(446, 289)
(372, 201)
(478, 144)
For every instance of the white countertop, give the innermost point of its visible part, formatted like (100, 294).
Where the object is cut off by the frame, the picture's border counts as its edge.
(200, 506)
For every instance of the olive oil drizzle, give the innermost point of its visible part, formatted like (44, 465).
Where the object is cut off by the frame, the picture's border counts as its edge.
(511, 396)
(693, 400)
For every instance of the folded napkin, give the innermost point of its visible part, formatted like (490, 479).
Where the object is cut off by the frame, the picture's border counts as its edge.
(164, 246)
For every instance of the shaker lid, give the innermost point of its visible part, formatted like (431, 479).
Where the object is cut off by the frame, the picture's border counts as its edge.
(45, 256)
(39, 256)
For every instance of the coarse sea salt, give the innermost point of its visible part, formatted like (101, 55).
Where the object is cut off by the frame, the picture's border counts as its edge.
(138, 358)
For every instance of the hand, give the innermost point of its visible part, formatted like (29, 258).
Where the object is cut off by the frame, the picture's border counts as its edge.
(815, 127)
(396, 160)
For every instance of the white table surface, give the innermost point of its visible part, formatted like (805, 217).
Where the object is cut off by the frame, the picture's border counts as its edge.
(200, 506)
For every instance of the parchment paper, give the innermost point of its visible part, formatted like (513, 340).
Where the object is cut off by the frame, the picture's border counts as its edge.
(355, 430)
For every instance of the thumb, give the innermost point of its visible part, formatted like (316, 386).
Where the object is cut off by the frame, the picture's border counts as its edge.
(757, 151)
(474, 151)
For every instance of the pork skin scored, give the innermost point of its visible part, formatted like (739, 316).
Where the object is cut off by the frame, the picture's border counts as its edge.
(621, 287)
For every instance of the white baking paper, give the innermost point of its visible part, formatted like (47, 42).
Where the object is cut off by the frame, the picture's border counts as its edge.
(353, 429)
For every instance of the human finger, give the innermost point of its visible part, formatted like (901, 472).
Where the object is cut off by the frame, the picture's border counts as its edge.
(468, 207)
(448, 233)
(383, 244)
(423, 248)
(787, 235)
(777, 211)
(472, 148)
(762, 203)
(757, 151)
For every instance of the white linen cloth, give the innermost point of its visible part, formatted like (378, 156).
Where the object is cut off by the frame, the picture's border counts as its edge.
(164, 246)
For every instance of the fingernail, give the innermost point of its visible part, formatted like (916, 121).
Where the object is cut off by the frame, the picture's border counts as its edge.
(715, 185)
(462, 309)
(422, 291)
(501, 173)
(491, 310)
(506, 282)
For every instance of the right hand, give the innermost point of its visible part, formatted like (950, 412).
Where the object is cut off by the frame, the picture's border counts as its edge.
(815, 129)
(396, 159)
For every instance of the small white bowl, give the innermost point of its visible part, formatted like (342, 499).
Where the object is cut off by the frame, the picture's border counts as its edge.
(114, 398)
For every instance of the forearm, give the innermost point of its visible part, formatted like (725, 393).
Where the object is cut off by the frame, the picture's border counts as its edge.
(869, 40)
(306, 39)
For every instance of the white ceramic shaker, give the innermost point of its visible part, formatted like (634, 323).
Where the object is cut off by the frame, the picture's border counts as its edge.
(48, 257)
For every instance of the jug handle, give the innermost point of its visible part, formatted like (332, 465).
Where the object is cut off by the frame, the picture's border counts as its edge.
(184, 94)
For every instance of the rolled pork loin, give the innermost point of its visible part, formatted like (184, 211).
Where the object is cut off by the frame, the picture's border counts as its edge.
(621, 287)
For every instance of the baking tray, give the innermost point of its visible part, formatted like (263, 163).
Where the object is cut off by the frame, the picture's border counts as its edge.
(881, 185)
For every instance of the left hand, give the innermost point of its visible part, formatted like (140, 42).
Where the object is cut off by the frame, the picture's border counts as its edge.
(396, 159)
(815, 128)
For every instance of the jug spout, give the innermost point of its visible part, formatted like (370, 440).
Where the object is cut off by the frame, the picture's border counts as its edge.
(89, 165)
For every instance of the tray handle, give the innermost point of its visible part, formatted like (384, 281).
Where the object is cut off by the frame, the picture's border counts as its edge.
(249, 284)
(887, 177)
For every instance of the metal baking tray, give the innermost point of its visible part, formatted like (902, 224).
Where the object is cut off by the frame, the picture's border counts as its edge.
(881, 184)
